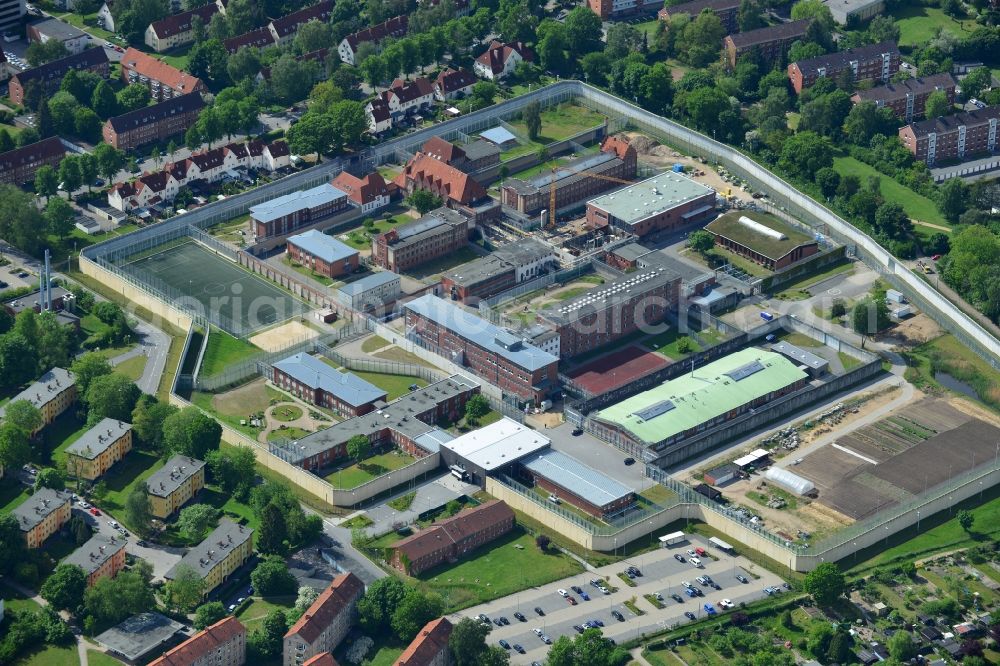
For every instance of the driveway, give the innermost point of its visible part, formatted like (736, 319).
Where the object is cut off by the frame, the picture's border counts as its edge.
(660, 573)
(161, 557)
(430, 495)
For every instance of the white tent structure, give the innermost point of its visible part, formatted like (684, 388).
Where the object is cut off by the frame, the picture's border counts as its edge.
(790, 481)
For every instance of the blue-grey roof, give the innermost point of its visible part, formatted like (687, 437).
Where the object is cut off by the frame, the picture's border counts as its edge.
(214, 549)
(289, 203)
(432, 441)
(321, 246)
(583, 481)
(368, 282)
(98, 439)
(498, 135)
(481, 332)
(314, 373)
(92, 555)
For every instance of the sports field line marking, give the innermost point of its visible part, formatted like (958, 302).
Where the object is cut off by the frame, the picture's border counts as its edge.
(854, 453)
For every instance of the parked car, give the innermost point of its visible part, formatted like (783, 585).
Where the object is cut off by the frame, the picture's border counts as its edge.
(584, 596)
(689, 615)
(679, 558)
(518, 648)
(520, 616)
(482, 618)
(678, 598)
(538, 631)
(571, 600)
(629, 461)
(743, 579)
(504, 621)
(710, 609)
(538, 609)
(577, 628)
(504, 644)
(576, 588)
(562, 592)
(546, 639)
(617, 614)
(95, 511)
(726, 603)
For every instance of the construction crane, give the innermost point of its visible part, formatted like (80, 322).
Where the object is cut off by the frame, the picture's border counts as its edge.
(552, 189)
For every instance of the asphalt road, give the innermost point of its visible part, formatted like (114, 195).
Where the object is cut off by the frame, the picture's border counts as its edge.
(660, 573)
(161, 557)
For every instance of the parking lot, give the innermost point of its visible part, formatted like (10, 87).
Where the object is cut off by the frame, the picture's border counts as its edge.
(597, 454)
(661, 573)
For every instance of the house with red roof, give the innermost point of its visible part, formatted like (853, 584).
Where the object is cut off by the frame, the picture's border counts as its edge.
(430, 647)
(369, 193)
(423, 172)
(500, 60)
(325, 623)
(394, 27)
(401, 99)
(284, 29)
(221, 644)
(178, 29)
(164, 81)
(453, 84)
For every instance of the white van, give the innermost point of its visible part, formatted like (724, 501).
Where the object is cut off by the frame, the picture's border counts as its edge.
(695, 561)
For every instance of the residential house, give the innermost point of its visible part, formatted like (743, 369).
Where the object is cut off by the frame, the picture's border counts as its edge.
(171, 486)
(500, 60)
(164, 81)
(259, 39)
(178, 29)
(147, 190)
(54, 30)
(52, 394)
(908, 98)
(957, 137)
(369, 193)
(283, 29)
(770, 44)
(394, 27)
(401, 99)
(105, 19)
(325, 623)
(872, 62)
(430, 647)
(453, 84)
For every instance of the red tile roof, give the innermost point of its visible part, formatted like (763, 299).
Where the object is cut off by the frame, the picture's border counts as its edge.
(178, 23)
(259, 39)
(451, 530)
(290, 23)
(361, 190)
(407, 91)
(394, 27)
(342, 592)
(158, 70)
(442, 150)
(429, 173)
(429, 643)
(451, 80)
(202, 643)
(322, 659)
(498, 54)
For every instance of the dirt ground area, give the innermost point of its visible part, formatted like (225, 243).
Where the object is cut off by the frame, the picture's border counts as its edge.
(524, 310)
(282, 336)
(799, 515)
(913, 331)
(243, 400)
(745, 317)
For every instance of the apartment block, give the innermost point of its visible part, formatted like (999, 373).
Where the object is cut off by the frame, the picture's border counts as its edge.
(770, 43)
(177, 30)
(164, 81)
(908, 98)
(436, 234)
(99, 449)
(324, 624)
(611, 9)
(874, 62)
(727, 11)
(50, 75)
(171, 486)
(52, 394)
(102, 556)
(221, 644)
(284, 29)
(430, 647)
(154, 123)
(226, 549)
(18, 166)
(42, 515)
(957, 137)
(394, 27)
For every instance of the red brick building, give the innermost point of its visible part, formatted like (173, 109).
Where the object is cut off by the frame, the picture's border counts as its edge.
(771, 43)
(436, 234)
(908, 98)
(18, 166)
(957, 137)
(874, 62)
(221, 644)
(50, 75)
(164, 81)
(452, 538)
(153, 123)
(580, 485)
(325, 623)
(312, 380)
(726, 10)
(503, 359)
(611, 8)
(287, 213)
(477, 155)
(430, 647)
(455, 187)
(669, 201)
(322, 253)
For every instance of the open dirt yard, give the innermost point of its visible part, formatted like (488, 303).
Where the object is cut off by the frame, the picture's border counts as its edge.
(913, 331)
(280, 337)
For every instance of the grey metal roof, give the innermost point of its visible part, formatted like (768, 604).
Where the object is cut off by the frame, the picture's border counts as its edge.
(524, 251)
(322, 246)
(432, 441)
(26, 301)
(631, 251)
(48, 386)
(98, 439)
(477, 150)
(634, 203)
(581, 480)
(372, 281)
(140, 634)
(478, 270)
(56, 29)
(99, 549)
(316, 374)
(800, 355)
(169, 478)
(36, 508)
(440, 220)
(632, 286)
(498, 135)
(289, 203)
(479, 331)
(212, 551)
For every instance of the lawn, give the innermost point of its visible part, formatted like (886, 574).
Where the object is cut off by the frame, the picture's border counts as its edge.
(507, 565)
(561, 122)
(132, 368)
(253, 614)
(230, 231)
(88, 22)
(136, 467)
(14, 600)
(356, 474)
(308, 272)
(666, 343)
(51, 656)
(918, 24)
(95, 658)
(393, 385)
(945, 354)
(223, 350)
(817, 277)
(848, 361)
(401, 355)
(800, 339)
(64, 431)
(285, 434)
(374, 343)
(916, 205)
(572, 292)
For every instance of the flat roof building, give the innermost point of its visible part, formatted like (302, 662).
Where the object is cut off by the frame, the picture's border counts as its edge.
(174, 484)
(322, 253)
(309, 378)
(138, 636)
(816, 365)
(580, 485)
(762, 238)
(372, 292)
(665, 202)
(504, 268)
(287, 213)
(491, 448)
(852, 12)
(101, 557)
(701, 399)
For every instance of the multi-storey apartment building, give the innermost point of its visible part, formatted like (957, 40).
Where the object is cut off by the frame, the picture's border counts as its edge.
(325, 623)
(873, 62)
(226, 549)
(287, 213)
(436, 234)
(770, 43)
(258, 39)
(103, 556)
(164, 81)
(956, 137)
(493, 353)
(311, 379)
(154, 123)
(42, 515)
(610, 9)
(221, 644)
(283, 29)
(50, 75)
(98, 449)
(430, 647)
(171, 486)
(52, 394)
(452, 538)
(727, 11)
(18, 166)
(394, 27)
(908, 98)
(178, 29)
(574, 181)
(322, 253)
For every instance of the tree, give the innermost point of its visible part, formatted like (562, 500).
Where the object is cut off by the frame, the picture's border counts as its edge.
(271, 577)
(292, 78)
(595, 66)
(698, 44)
(532, 117)
(50, 477)
(952, 198)
(828, 180)
(468, 647)
(349, 122)
(937, 104)
(324, 95)
(14, 447)
(839, 650)
(186, 589)
(424, 201)
(976, 81)
(103, 100)
(825, 583)
(111, 396)
(87, 368)
(476, 408)
(749, 17)
(272, 538)
(191, 433)
(132, 97)
(69, 174)
(590, 647)
(306, 596)
(197, 519)
(6, 142)
(552, 46)
(111, 600)
(39, 53)
(208, 614)
(87, 126)
(313, 133)
(208, 60)
(805, 153)
(966, 519)
(869, 317)
(891, 220)
(139, 509)
(59, 216)
(110, 160)
(267, 640)
(46, 181)
(376, 606)
(701, 241)
(358, 447)
(147, 422)
(901, 646)
(413, 612)
(23, 415)
(815, 10)
(542, 541)
(622, 39)
(244, 64)
(18, 360)
(233, 470)
(65, 587)
(482, 94)
(704, 106)
(583, 29)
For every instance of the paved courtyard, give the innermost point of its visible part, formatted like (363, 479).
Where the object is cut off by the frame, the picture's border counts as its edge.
(660, 573)
(597, 454)
(430, 495)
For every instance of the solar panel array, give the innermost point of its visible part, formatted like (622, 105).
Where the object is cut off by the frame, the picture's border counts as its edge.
(657, 409)
(745, 371)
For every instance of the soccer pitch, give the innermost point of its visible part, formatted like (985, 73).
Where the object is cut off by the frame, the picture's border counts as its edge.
(197, 279)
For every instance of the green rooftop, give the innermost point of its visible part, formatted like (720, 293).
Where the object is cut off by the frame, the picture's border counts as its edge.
(729, 226)
(709, 392)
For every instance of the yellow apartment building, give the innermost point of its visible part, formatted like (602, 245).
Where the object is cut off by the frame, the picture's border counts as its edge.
(174, 484)
(224, 551)
(42, 515)
(98, 449)
(101, 557)
(52, 394)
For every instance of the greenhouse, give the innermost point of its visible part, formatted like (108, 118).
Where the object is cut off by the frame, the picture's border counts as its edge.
(790, 481)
